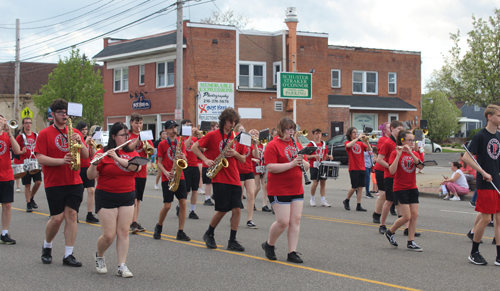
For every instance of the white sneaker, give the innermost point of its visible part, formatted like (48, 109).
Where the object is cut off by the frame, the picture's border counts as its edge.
(324, 203)
(447, 197)
(18, 190)
(156, 186)
(201, 191)
(100, 264)
(124, 271)
(455, 198)
(312, 202)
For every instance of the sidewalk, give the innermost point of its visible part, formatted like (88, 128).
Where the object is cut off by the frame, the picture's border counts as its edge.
(428, 183)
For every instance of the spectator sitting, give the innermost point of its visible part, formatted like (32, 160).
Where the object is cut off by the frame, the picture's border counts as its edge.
(457, 184)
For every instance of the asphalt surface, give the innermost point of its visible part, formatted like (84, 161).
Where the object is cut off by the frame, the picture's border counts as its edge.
(342, 250)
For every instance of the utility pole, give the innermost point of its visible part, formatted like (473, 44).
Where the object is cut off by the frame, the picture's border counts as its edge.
(179, 61)
(17, 72)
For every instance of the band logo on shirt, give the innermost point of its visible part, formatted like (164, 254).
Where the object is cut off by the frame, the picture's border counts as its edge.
(494, 148)
(126, 157)
(30, 144)
(170, 154)
(356, 148)
(248, 152)
(61, 143)
(408, 164)
(3, 147)
(290, 153)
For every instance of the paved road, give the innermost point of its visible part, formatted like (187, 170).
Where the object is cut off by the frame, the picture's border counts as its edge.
(342, 250)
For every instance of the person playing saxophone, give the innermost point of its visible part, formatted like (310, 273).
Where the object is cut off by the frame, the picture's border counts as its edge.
(169, 150)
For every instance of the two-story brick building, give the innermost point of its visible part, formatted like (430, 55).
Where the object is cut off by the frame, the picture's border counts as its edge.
(351, 86)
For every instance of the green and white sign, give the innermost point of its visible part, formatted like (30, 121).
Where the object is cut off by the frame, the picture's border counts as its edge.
(294, 85)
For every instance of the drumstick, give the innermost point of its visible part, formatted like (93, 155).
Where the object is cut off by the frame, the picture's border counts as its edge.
(106, 153)
(480, 167)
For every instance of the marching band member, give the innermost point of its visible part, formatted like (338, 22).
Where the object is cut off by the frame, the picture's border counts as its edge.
(114, 197)
(26, 141)
(140, 179)
(226, 184)
(379, 173)
(63, 186)
(355, 146)
(167, 150)
(285, 190)
(7, 142)
(314, 162)
(403, 162)
(207, 182)
(260, 176)
(192, 172)
(88, 184)
(163, 136)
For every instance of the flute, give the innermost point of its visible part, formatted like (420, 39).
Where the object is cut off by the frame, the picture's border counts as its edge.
(307, 181)
(96, 159)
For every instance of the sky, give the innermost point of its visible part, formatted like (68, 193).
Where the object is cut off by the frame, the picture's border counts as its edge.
(424, 25)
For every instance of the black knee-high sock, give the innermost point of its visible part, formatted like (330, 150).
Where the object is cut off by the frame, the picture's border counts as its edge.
(232, 237)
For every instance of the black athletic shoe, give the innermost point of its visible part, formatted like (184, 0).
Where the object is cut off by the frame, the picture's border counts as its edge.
(234, 245)
(376, 217)
(193, 215)
(91, 218)
(181, 235)
(29, 207)
(491, 224)
(359, 208)
(46, 255)
(266, 209)
(497, 262)
(477, 259)
(391, 239)
(177, 210)
(71, 261)
(254, 208)
(369, 196)
(33, 204)
(393, 212)
(470, 235)
(270, 254)
(157, 233)
(417, 234)
(382, 229)
(5, 239)
(412, 246)
(133, 227)
(210, 241)
(244, 197)
(346, 205)
(494, 241)
(294, 258)
(208, 202)
(140, 228)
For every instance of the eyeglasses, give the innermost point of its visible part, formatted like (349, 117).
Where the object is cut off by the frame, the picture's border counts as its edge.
(410, 140)
(125, 134)
(61, 112)
(27, 123)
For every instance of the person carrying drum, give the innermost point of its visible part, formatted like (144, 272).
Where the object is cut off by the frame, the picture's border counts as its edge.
(315, 161)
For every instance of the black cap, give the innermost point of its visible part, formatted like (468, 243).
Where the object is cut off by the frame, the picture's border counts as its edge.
(170, 123)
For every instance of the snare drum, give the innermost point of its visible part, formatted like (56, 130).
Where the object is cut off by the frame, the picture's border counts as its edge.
(33, 166)
(329, 170)
(19, 171)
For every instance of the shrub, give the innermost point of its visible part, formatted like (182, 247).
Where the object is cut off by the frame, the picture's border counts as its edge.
(472, 133)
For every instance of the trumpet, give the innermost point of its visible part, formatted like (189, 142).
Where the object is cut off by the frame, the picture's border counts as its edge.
(95, 145)
(425, 131)
(303, 132)
(148, 148)
(373, 136)
(13, 123)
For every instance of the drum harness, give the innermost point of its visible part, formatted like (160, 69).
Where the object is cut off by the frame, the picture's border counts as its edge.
(25, 141)
(320, 158)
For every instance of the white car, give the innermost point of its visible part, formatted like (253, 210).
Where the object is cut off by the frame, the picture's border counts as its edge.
(428, 147)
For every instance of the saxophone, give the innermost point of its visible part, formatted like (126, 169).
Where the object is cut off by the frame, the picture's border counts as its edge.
(73, 148)
(221, 161)
(178, 166)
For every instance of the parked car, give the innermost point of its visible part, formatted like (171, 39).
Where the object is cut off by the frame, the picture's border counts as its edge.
(428, 147)
(336, 147)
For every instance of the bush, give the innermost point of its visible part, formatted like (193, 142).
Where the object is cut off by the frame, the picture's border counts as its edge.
(472, 133)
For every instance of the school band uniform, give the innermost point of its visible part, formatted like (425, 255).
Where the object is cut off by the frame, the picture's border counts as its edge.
(29, 144)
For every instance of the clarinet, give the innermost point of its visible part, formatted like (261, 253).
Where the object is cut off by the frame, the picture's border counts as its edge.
(307, 181)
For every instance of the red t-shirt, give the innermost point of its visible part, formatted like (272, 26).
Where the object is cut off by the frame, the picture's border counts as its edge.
(288, 182)
(356, 155)
(30, 147)
(85, 163)
(6, 174)
(52, 144)
(387, 148)
(247, 167)
(380, 142)
(260, 148)
(167, 153)
(213, 142)
(142, 153)
(321, 151)
(191, 157)
(112, 176)
(405, 177)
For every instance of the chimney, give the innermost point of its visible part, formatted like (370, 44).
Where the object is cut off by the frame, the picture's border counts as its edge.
(291, 21)
(106, 40)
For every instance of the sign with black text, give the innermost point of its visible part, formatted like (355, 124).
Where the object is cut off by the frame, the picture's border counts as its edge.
(213, 98)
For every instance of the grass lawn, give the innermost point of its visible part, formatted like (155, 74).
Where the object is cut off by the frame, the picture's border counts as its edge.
(452, 151)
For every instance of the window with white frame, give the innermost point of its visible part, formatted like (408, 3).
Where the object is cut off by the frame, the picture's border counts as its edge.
(252, 75)
(165, 74)
(392, 83)
(476, 108)
(142, 74)
(335, 78)
(121, 80)
(364, 82)
(276, 70)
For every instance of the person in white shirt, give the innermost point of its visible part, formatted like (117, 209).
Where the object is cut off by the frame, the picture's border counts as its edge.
(457, 184)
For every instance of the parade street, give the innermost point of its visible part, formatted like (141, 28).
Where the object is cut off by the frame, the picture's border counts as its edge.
(342, 250)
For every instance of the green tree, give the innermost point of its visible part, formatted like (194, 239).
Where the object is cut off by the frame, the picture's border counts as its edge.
(76, 80)
(227, 18)
(442, 116)
(473, 77)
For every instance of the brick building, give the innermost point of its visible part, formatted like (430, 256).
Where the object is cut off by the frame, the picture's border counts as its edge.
(351, 85)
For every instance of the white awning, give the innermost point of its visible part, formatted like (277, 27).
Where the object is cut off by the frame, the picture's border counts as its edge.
(465, 119)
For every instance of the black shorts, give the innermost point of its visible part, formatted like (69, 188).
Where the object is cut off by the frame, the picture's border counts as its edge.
(407, 196)
(168, 196)
(314, 174)
(140, 185)
(192, 178)
(389, 194)
(206, 180)
(357, 179)
(379, 176)
(58, 197)
(26, 180)
(285, 199)
(227, 197)
(108, 200)
(7, 191)
(248, 176)
(86, 182)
